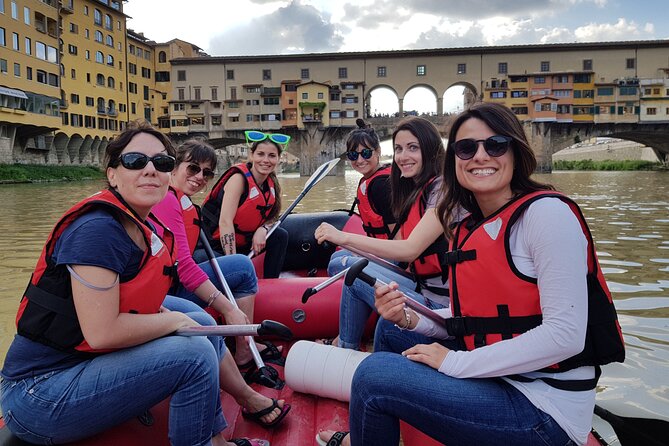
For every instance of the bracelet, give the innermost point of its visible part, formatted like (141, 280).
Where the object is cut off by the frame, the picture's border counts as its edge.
(212, 297)
(407, 319)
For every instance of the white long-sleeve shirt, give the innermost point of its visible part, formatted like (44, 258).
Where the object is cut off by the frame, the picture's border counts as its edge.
(547, 243)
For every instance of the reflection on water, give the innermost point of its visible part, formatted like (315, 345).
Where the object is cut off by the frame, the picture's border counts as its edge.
(627, 213)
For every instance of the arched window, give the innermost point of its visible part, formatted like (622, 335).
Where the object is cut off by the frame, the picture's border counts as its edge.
(100, 79)
(111, 83)
(101, 105)
(99, 57)
(108, 21)
(162, 57)
(98, 17)
(110, 60)
(110, 41)
(98, 36)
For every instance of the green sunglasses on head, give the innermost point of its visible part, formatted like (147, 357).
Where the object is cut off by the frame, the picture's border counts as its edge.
(256, 136)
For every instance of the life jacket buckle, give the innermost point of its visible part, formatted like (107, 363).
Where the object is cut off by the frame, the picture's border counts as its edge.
(458, 255)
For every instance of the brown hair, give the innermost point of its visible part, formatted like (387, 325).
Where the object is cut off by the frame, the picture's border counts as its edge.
(502, 121)
(120, 141)
(405, 191)
(277, 187)
(196, 150)
(364, 136)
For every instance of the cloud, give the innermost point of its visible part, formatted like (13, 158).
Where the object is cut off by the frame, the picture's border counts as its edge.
(621, 30)
(294, 28)
(397, 11)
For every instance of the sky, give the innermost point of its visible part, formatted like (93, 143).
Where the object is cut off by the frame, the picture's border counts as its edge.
(254, 27)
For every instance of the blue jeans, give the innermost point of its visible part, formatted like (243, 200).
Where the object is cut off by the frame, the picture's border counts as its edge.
(357, 300)
(237, 271)
(96, 394)
(454, 411)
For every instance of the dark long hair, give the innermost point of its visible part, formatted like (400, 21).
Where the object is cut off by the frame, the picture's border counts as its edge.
(405, 191)
(196, 150)
(502, 121)
(277, 187)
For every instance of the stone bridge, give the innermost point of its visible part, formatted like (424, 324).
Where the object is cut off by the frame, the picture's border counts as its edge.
(316, 145)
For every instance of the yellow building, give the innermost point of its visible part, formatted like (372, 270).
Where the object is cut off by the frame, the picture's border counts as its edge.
(29, 79)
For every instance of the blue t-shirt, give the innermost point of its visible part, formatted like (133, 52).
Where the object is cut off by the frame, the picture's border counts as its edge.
(95, 239)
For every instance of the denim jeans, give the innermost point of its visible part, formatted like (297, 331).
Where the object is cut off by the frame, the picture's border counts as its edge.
(237, 271)
(357, 300)
(70, 404)
(454, 411)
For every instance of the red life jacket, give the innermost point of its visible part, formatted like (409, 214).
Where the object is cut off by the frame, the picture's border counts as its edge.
(252, 211)
(46, 313)
(191, 218)
(491, 300)
(372, 221)
(428, 264)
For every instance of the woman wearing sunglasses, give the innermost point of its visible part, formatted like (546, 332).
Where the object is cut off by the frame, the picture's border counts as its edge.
(195, 166)
(93, 346)
(240, 208)
(531, 303)
(418, 151)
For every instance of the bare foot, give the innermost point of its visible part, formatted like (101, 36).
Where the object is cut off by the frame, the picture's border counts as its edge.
(326, 435)
(327, 341)
(258, 402)
(244, 357)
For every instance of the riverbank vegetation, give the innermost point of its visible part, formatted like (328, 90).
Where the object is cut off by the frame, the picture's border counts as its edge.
(606, 165)
(31, 173)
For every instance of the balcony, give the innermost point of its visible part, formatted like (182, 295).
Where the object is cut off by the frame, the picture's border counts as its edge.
(271, 91)
(66, 7)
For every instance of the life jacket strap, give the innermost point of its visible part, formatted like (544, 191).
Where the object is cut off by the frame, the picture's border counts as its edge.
(458, 256)
(574, 385)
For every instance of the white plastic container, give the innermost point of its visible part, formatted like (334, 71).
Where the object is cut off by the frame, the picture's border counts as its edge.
(322, 370)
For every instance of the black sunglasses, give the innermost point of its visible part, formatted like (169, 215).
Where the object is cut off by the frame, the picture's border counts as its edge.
(366, 153)
(193, 169)
(495, 146)
(137, 161)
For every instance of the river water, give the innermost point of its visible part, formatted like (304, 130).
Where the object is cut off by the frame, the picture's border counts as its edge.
(628, 213)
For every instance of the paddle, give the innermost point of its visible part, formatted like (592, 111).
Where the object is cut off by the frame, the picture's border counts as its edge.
(264, 328)
(355, 271)
(264, 375)
(318, 175)
(636, 431)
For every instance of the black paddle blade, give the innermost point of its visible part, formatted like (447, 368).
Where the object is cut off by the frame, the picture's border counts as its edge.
(636, 431)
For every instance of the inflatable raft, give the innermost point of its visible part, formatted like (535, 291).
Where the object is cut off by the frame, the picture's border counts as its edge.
(281, 300)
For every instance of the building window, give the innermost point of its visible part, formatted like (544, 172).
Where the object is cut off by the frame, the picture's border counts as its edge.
(498, 94)
(74, 98)
(29, 73)
(110, 60)
(539, 80)
(214, 94)
(421, 70)
(87, 55)
(100, 79)
(587, 64)
(71, 49)
(381, 72)
(74, 28)
(146, 92)
(545, 66)
(3, 65)
(502, 68)
(17, 70)
(343, 72)
(109, 41)
(85, 10)
(2, 37)
(98, 36)
(320, 95)
(305, 95)
(15, 41)
(462, 68)
(519, 94)
(651, 111)
(196, 90)
(146, 73)
(28, 46)
(73, 73)
(304, 73)
(99, 57)
(630, 63)
(108, 22)
(181, 94)
(26, 15)
(15, 13)
(97, 17)
(181, 75)
(266, 75)
(230, 75)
